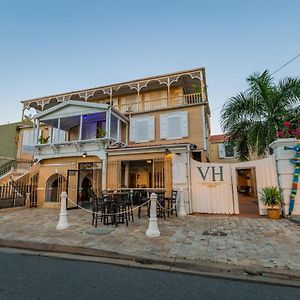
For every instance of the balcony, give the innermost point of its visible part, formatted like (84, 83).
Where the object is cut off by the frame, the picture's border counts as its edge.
(76, 128)
(92, 147)
(157, 104)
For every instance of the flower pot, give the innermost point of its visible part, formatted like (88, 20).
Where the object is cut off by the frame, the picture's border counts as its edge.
(273, 213)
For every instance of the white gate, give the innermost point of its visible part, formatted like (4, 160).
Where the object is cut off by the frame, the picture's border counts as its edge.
(214, 185)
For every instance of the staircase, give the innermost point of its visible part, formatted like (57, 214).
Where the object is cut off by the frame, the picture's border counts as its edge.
(14, 169)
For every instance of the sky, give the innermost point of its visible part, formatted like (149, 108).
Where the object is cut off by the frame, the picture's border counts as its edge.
(49, 47)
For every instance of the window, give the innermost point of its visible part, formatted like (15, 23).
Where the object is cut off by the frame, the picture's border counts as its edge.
(58, 137)
(142, 129)
(226, 151)
(174, 125)
(27, 141)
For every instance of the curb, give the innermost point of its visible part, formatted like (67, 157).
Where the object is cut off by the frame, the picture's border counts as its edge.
(203, 268)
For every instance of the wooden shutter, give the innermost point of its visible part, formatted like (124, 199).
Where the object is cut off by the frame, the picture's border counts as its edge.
(142, 129)
(174, 126)
(132, 131)
(184, 124)
(151, 128)
(163, 126)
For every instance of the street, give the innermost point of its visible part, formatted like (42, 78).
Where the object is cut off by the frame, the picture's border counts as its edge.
(35, 277)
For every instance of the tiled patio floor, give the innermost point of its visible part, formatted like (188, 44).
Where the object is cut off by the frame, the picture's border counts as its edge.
(213, 238)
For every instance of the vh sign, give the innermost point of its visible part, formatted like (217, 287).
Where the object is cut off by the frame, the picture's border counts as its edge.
(211, 173)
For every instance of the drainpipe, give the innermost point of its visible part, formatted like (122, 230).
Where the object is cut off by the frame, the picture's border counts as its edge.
(189, 178)
(203, 127)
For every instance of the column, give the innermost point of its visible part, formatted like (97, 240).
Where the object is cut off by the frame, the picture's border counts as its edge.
(104, 167)
(37, 131)
(126, 179)
(109, 123)
(169, 96)
(119, 131)
(80, 128)
(58, 130)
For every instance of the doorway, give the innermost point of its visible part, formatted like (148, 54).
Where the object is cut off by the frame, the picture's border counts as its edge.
(247, 192)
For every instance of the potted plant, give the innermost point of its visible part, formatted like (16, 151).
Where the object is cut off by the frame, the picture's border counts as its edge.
(43, 140)
(271, 197)
(100, 132)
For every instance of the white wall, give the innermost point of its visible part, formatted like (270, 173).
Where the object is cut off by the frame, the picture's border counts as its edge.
(285, 169)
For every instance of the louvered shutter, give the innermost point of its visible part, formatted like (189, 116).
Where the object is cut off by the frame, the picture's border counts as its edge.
(174, 126)
(132, 131)
(151, 128)
(142, 130)
(221, 151)
(163, 126)
(184, 124)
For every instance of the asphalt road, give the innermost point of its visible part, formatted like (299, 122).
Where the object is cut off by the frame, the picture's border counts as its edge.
(35, 277)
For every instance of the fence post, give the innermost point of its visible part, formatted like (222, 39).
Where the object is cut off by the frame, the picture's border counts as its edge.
(153, 230)
(27, 200)
(181, 209)
(63, 220)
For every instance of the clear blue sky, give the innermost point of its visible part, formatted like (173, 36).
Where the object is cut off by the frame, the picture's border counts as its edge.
(48, 47)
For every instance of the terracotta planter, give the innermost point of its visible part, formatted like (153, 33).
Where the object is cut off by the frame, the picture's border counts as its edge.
(273, 213)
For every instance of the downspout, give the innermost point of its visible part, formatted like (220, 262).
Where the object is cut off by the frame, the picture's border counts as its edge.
(189, 179)
(203, 128)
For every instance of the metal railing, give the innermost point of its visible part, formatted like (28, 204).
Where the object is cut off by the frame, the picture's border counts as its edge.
(13, 194)
(160, 103)
(14, 164)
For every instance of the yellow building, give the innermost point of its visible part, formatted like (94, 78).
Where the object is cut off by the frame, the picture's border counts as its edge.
(135, 134)
(220, 150)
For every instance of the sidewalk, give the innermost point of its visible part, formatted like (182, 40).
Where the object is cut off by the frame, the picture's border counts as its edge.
(231, 242)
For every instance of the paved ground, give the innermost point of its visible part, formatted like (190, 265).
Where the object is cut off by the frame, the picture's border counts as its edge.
(198, 238)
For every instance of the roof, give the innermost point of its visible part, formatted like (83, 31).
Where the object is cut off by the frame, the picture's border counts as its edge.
(84, 105)
(119, 84)
(218, 138)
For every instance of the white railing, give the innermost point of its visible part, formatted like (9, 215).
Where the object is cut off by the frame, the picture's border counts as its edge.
(160, 103)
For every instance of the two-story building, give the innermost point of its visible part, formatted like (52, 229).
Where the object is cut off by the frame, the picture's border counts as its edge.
(136, 134)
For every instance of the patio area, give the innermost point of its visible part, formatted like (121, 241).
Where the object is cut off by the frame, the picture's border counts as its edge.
(223, 239)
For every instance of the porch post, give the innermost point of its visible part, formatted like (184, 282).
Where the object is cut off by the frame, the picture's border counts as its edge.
(126, 179)
(169, 96)
(109, 123)
(34, 133)
(106, 124)
(104, 166)
(119, 131)
(80, 128)
(58, 130)
(51, 136)
(110, 96)
(37, 131)
(127, 133)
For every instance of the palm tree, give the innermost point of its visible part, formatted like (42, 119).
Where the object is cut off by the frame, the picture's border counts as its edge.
(253, 118)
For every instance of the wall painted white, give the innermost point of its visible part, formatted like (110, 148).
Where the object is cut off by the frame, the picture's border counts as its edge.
(285, 169)
(180, 177)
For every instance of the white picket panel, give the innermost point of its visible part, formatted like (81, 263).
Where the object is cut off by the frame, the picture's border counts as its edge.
(210, 194)
(213, 193)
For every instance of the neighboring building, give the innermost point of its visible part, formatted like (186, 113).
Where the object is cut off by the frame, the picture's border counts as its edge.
(9, 135)
(13, 162)
(133, 134)
(221, 150)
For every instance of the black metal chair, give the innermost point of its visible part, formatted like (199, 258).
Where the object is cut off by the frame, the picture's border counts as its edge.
(161, 205)
(97, 209)
(142, 199)
(171, 203)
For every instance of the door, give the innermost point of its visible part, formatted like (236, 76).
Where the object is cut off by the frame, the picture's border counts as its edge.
(72, 188)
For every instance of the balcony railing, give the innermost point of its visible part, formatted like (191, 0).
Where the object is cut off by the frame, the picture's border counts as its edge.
(160, 103)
